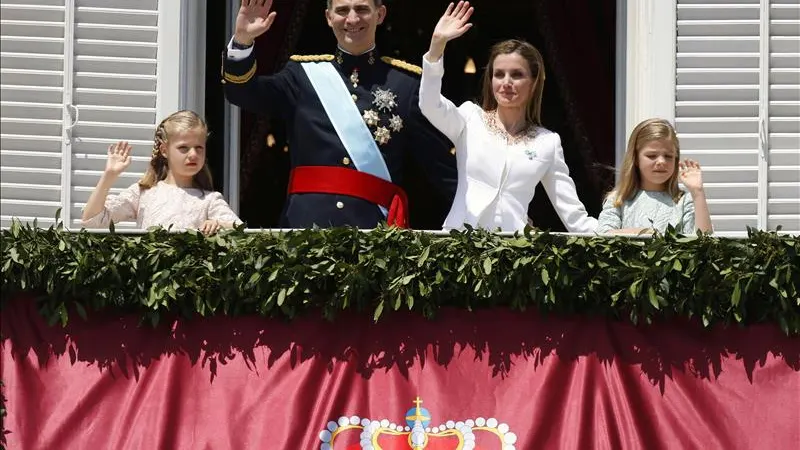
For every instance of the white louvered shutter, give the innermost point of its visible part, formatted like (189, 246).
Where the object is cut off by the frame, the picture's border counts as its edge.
(783, 206)
(717, 104)
(32, 55)
(115, 81)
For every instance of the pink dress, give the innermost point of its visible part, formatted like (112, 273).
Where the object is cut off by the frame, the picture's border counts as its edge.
(164, 204)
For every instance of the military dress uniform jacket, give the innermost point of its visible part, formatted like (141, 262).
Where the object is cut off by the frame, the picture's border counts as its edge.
(385, 91)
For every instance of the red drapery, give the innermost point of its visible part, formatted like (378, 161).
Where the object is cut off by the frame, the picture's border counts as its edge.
(536, 382)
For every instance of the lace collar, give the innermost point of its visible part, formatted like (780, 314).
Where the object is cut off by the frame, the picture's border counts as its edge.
(495, 127)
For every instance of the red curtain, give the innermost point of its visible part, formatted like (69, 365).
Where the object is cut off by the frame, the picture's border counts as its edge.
(483, 378)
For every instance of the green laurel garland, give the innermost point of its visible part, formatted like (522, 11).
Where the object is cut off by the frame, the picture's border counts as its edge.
(716, 280)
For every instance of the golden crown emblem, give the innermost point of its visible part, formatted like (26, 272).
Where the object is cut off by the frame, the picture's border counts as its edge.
(354, 432)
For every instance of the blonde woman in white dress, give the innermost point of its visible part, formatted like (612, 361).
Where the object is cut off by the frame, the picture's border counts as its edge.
(502, 150)
(176, 191)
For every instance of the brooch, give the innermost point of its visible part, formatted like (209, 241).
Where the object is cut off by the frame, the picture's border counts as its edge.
(530, 153)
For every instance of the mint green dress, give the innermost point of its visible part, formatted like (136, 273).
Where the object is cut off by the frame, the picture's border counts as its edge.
(648, 209)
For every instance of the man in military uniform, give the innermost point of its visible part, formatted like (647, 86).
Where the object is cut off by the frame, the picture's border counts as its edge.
(352, 116)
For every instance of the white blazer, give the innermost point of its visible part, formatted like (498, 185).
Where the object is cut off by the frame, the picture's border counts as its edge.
(497, 178)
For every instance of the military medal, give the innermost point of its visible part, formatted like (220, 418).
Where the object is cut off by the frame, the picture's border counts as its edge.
(382, 135)
(354, 77)
(396, 123)
(371, 117)
(384, 99)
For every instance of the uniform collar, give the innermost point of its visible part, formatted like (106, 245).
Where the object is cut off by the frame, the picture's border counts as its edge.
(348, 61)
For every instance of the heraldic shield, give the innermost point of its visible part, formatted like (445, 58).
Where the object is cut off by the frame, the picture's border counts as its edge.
(357, 433)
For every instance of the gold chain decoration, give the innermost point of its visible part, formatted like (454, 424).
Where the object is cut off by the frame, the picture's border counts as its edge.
(311, 58)
(402, 64)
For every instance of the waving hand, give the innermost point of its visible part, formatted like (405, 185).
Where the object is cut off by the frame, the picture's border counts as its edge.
(454, 23)
(253, 20)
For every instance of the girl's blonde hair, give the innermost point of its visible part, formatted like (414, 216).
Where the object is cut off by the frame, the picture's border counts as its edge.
(630, 179)
(178, 122)
(533, 112)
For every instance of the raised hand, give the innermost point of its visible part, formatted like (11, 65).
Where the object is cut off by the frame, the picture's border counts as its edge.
(454, 22)
(253, 20)
(691, 176)
(119, 158)
(452, 25)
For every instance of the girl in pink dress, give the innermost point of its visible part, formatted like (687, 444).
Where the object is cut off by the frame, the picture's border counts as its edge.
(176, 191)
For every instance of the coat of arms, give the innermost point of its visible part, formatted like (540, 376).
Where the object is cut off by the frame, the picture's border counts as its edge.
(352, 433)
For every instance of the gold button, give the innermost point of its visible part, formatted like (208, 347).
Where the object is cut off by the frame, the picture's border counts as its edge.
(339, 205)
(345, 160)
(355, 97)
(453, 151)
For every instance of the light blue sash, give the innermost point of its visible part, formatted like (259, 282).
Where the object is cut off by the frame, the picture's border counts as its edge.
(346, 119)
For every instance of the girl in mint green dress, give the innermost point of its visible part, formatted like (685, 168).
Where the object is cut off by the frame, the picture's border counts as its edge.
(647, 197)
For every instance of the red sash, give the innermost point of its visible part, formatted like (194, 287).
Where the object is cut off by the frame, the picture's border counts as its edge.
(350, 182)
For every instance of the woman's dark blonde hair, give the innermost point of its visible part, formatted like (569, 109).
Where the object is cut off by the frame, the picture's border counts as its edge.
(533, 114)
(179, 122)
(630, 179)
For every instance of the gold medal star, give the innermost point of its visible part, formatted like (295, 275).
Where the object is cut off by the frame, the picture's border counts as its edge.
(371, 118)
(382, 135)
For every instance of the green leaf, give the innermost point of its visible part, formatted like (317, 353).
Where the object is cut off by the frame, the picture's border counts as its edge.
(378, 311)
(545, 276)
(423, 257)
(634, 288)
(487, 266)
(12, 252)
(281, 296)
(737, 294)
(651, 294)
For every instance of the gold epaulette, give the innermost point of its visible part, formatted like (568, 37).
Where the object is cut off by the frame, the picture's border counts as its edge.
(239, 79)
(402, 65)
(311, 58)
